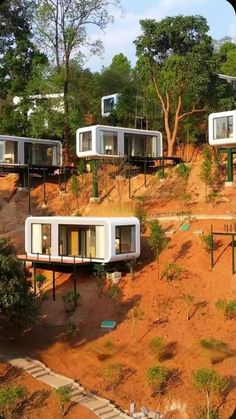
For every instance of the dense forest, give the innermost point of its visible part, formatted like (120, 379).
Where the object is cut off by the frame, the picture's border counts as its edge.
(173, 86)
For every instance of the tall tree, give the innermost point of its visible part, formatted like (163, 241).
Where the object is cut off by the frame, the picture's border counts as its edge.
(178, 55)
(62, 29)
(18, 305)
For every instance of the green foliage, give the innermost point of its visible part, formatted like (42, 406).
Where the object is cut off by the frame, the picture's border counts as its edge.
(157, 378)
(188, 299)
(70, 330)
(115, 293)
(70, 300)
(9, 396)
(212, 343)
(40, 280)
(141, 214)
(207, 240)
(112, 373)
(157, 240)
(172, 272)
(209, 381)
(18, 304)
(75, 186)
(210, 173)
(65, 394)
(183, 171)
(108, 344)
(156, 346)
(161, 174)
(229, 308)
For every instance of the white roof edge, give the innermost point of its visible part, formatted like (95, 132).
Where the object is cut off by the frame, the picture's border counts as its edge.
(117, 128)
(15, 137)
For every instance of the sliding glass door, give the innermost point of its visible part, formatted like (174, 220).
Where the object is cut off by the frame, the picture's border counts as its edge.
(81, 241)
(41, 239)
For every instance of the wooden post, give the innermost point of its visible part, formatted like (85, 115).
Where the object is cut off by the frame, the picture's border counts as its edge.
(74, 279)
(233, 269)
(53, 284)
(212, 248)
(33, 273)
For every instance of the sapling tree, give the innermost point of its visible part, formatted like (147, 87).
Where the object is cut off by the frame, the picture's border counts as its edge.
(157, 378)
(188, 299)
(157, 240)
(40, 280)
(115, 295)
(75, 187)
(211, 383)
(172, 272)
(136, 313)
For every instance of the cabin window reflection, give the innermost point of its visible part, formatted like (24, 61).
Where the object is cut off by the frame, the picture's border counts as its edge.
(85, 141)
(109, 142)
(223, 127)
(125, 239)
(41, 239)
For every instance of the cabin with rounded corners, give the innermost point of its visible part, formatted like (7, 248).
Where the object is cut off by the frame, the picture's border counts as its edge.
(108, 103)
(23, 151)
(222, 129)
(106, 141)
(95, 239)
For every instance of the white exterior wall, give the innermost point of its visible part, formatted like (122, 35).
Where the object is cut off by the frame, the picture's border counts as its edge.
(96, 145)
(22, 140)
(109, 234)
(221, 141)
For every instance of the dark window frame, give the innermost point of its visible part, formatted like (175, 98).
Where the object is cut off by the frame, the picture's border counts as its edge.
(227, 117)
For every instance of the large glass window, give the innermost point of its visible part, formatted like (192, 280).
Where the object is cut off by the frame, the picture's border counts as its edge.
(108, 142)
(85, 141)
(82, 241)
(223, 127)
(2, 151)
(108, 104)
(125, 239)
(140, 145)
(41, 238)
(41, 154)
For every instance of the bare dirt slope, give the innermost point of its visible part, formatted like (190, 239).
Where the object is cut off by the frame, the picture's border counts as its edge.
(163, 306)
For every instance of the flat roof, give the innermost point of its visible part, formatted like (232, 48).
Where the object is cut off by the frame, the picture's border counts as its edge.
(15, 138)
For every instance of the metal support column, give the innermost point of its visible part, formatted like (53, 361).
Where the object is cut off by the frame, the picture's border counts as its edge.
(29, 201)
(145, 172)
(94, 165)
(44, 186)
(229, 165)
(233, 267)
(33, 275)
(53, 284)
(212, 248)
(74, 279)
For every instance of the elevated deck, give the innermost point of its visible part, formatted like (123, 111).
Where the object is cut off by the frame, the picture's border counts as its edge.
(59, 260)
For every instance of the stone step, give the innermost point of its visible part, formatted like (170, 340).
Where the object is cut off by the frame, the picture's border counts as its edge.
(35, 370)
(112, 415)
(102, 410)
(85, 398)
(22, 363)
(34, 366)
(77, 390)
(41, 373)
(95, 403)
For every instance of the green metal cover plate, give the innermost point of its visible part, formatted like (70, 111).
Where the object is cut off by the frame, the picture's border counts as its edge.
(108, 324)
(185, 227)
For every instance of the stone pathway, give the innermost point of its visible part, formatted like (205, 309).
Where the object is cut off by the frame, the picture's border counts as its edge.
(103, 408)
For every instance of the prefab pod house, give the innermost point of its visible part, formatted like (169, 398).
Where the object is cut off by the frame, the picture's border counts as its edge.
(21, 150)
(106, 141)
(222, 129)
(96, 239)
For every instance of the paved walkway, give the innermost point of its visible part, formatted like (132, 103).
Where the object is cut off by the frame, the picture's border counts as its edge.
(103, 408)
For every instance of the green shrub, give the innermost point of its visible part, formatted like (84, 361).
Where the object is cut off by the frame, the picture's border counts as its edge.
(183, 171)
(229, 308)
(141, 214)
(156, 345)
(114, 293)
(207, 240)
(212, 343)
(108, 344)
(40, 280)
(172, 272)
(70, 330)
(70, 300)
(112, 373)
(9, 396)
(157, 378)
(64, 393)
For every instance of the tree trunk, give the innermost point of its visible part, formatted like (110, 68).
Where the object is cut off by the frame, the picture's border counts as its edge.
(66, 116)
(208, 405)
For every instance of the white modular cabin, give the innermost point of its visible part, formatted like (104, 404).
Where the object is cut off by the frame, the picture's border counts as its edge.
(22, 151)
(95, 239)
(103, 141)
(108, 103)
(222, 129)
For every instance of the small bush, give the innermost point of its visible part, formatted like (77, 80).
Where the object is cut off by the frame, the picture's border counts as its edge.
(207, 241)
(160, 174)
(70, 330)
(112, 373)
(157, 378)
(64, 393)
(156, 345)
(229, 308)
(183, 171)
(108, 344)
(40, 280)
(114, 293)
(172, 272)
(212, 343)
(70, 300)
(9, 396)
(141, 214)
